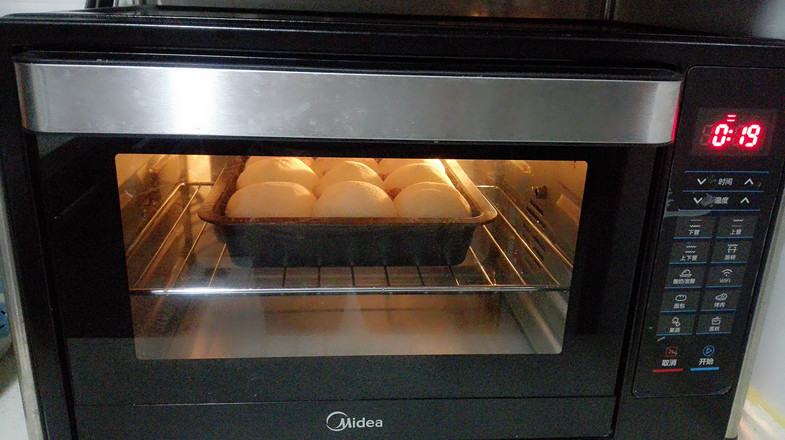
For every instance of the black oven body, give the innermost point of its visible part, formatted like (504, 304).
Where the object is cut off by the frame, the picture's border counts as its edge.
(620, 374)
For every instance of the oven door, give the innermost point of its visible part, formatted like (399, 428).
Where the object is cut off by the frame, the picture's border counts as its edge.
(377, 326)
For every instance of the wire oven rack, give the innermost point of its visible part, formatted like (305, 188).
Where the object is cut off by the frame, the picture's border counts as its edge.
(179, 254)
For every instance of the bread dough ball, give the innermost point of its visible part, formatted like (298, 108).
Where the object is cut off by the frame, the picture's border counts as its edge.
(279, 169)
(346, 171)
(324, 164)
(308, 161)
(387, 166)
(411, 174)
(433, 200)
(271, 199)
(354, 199)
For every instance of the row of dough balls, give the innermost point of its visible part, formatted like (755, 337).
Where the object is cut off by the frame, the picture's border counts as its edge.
(345, 187)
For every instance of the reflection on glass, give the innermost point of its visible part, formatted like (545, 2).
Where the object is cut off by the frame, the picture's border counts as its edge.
(564, 9)
(194, 297)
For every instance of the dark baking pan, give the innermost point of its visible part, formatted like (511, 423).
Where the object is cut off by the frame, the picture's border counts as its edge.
(338, 241)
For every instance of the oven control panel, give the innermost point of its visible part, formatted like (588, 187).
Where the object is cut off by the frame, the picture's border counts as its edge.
(723, 189)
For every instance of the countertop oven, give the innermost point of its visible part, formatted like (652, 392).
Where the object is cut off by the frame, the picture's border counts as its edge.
(619, 186)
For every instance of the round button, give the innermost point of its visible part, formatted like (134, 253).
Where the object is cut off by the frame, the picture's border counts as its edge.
(708, 350)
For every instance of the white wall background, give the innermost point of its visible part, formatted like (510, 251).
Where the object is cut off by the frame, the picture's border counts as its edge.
(768, 376)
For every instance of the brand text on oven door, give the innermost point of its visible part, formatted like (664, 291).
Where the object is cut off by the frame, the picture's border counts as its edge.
(338, 421)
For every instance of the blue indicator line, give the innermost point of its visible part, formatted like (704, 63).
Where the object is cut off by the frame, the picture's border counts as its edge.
(712, 333)
(705, 369)
(719, 310)
(687, 287)
(721, 191)
(675, 334)
(727, 262)
(722, 287)
(734, 172)
(692, 238)
(680, 311)
(693, 262)
(737, 236)
(719, 210)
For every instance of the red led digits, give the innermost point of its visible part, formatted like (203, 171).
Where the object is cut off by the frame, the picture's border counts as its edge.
(750, 135)
(721, 137)
(733, 132)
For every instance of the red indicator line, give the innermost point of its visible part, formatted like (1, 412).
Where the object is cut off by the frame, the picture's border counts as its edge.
(668, 370)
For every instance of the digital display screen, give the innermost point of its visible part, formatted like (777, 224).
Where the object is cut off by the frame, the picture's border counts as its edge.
(733, 132)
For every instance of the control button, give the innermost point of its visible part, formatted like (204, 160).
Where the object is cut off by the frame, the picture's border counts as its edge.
(721, 200)
(690, 252)
(694, 227)
(680, 301)
(752, 181)
(669, 362)
(730, 251)
(720, 299)
(736, 226)
(708, 361)
(685, 276)
(747, 201)
(714, 323)
(707, 180)
(724, 276)
(675, 324)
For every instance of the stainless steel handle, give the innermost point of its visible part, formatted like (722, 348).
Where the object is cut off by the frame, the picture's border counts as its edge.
(221, 101)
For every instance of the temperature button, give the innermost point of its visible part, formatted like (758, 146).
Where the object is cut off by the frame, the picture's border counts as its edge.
(722, 201)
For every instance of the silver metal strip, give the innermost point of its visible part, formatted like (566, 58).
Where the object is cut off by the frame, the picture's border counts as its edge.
(18, 330)
(219, 101)
(608, 10)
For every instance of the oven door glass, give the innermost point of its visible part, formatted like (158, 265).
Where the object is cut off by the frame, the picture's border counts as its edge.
(248, 257)
(163, 281)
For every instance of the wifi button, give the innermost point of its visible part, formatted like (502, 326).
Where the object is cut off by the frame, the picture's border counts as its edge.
(725, 276)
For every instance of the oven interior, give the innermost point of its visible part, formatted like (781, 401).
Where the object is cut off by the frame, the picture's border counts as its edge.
(191, 298)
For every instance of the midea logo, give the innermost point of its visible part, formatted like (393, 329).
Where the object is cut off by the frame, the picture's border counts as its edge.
(338, 421)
